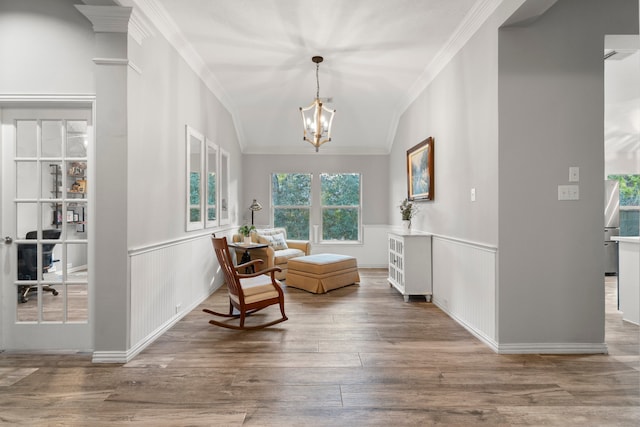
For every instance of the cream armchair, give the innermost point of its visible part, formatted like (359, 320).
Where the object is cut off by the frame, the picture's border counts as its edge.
(279, 251)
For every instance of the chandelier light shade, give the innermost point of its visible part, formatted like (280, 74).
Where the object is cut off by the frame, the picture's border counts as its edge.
(255, 206)
(316, 118)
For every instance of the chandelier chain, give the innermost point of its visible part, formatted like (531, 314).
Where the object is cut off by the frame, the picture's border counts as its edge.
(317, 81)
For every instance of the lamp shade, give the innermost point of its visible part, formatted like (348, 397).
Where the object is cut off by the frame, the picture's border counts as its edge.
(255, 206)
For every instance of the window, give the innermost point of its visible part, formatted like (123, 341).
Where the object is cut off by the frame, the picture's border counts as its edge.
(223, 186)
(205, 186)
(340, 204)
(212, 168)
(291, 201)
(629, 203)
(195, 164)
(337, 210)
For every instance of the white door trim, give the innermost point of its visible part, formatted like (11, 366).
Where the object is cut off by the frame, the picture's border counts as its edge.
(46, 102)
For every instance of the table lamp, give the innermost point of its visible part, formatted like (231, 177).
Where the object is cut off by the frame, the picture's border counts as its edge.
(255, 206)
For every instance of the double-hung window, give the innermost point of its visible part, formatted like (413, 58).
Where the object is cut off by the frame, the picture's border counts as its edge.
(340, 205)
(291, 201)
(333, 202)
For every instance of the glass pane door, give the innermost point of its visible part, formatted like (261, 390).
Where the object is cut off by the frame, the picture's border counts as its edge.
(48, 295)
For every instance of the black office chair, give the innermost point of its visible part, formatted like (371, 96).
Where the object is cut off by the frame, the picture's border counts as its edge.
(28, 262)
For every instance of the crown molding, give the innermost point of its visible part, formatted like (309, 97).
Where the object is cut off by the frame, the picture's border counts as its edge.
(474, 19)
(106, 19)
(139, 27)
(161, 19)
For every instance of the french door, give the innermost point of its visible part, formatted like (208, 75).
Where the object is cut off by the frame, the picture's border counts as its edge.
(46, 221)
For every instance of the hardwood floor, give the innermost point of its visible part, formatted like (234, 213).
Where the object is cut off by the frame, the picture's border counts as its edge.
(357, 356)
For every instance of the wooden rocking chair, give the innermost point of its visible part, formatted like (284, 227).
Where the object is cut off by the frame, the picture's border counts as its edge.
(248, 293)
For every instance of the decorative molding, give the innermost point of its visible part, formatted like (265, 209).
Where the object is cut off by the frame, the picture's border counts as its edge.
(161, 245)
(139, 27)
(107, 19)
(476, 17)
(74, 100)
(156, 14)
(475, 245)
(117, 61)
(135, 68)
(111, 61)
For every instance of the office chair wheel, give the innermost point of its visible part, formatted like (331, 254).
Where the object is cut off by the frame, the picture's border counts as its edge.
(54, 292)
(23, 299)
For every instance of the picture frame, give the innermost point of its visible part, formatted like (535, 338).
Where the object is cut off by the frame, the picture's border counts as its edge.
(420, 162)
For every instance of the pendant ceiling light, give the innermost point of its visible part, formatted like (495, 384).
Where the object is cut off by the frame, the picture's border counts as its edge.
(316, 118)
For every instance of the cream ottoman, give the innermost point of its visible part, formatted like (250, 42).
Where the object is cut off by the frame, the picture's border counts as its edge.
(322, 272)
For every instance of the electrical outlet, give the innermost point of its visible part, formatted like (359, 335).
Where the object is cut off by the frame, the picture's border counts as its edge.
(178, 308)
(473, 194)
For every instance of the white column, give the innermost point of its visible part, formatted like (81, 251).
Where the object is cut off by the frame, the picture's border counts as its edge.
(111, 284)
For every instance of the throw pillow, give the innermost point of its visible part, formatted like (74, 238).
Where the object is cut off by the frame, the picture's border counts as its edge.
(279, 242)
(276, 241)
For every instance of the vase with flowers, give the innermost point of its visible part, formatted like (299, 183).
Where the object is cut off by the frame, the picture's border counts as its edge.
(408, 210)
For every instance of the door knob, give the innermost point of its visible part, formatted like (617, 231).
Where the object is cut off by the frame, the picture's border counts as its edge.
(8, 240)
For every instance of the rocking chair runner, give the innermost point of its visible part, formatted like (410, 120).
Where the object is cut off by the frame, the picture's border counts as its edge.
(248, 293)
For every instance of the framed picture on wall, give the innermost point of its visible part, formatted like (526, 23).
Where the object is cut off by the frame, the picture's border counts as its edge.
(420, 160)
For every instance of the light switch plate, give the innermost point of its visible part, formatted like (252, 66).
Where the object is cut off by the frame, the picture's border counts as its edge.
(568, 192)
(574, 174)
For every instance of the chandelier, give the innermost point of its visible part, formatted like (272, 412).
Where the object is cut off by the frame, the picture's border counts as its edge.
(316, 118)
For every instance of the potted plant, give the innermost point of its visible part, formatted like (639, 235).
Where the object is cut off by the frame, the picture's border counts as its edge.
(408, 211)
(246, 230)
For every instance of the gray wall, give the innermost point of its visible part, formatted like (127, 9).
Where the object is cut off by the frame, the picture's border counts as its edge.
(163, 98)
(551, 109)
(33, 33)
(459, 109)
(513, 110)
(257, 171)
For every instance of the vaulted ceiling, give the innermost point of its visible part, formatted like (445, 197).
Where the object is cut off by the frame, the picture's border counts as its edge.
(256, 57)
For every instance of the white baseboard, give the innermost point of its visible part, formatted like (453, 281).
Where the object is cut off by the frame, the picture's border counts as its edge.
(109, 357)
(553, 348)
(478, 334)
(528, 348)
(127, 356)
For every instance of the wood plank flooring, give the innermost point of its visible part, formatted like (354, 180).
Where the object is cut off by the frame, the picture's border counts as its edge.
(357, 356)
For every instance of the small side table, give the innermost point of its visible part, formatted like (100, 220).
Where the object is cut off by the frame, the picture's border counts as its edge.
(246, 256)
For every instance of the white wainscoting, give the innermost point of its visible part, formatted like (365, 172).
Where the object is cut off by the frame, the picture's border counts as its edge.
(167, 282)
(464, 285)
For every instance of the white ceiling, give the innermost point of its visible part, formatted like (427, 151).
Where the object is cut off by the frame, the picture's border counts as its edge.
(256, 57)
